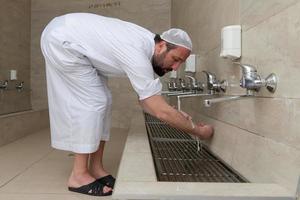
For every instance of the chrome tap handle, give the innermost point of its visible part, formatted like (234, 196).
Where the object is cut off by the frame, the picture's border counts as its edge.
(250, 79)
(192, 79)
(221, 86)
(175, 85)
(170, 86)
(4, 85)
(20, 86)
(211, 79)
(182, 83)
(198, 86)
(247, 68)
(271, 82)
(214, 85)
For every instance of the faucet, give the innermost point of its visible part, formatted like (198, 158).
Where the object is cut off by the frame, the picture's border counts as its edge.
(20, 86)
(182, 84)
(183, 90)
(4, 85)
(175, 88)
(170, 86)
(213, 85)
(252, 81)
(196, 86)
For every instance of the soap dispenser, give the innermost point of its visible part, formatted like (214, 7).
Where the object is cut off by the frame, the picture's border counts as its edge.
(231, 42)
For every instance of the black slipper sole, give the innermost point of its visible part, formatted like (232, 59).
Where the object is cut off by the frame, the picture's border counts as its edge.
(108, 180)
(94, 189)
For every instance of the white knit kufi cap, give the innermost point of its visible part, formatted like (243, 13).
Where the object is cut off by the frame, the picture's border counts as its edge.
(178, 37)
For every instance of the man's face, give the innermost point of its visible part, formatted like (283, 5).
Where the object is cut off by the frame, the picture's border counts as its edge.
(164, 61)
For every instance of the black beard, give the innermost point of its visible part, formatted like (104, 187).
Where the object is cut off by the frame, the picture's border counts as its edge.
(158, 69)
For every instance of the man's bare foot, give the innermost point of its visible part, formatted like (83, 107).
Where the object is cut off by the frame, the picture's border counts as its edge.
(98, 173)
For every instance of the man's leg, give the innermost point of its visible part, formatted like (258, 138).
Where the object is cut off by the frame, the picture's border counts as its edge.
(96, 164)
(80, 175)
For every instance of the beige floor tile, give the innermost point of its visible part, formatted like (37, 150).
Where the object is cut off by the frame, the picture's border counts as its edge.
(49, 175)
(45, 174)
(16, 157)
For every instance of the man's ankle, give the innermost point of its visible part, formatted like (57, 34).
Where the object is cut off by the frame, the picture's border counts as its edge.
(79, 179)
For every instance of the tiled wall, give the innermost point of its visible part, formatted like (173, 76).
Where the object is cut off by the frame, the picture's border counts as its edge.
(16, 125)
(154, 15)
(15, 54)
(260, 136)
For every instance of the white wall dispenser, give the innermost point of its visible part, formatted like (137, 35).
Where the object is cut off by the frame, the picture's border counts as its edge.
(231, 42)
(190, 64)
(173, 74)
(13, 74)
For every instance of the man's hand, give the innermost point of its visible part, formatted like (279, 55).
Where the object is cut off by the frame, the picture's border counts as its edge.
(203, 131)
(158, 107)
(187, 116)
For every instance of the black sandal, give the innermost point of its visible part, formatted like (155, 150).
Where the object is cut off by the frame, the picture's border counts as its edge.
(108, 180)
(95, 189)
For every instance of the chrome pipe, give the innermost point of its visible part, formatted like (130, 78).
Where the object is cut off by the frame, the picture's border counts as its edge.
(180, 94)
(187, 96)
(171, 92)
(209, 102)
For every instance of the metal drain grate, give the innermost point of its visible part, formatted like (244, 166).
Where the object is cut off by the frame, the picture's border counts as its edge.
(164, 131)
(150, 119)
(176, 157)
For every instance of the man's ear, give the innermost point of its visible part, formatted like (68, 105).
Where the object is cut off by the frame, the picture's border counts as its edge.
(161, 46)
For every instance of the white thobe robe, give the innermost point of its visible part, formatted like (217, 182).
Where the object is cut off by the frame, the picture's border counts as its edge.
(81, 50)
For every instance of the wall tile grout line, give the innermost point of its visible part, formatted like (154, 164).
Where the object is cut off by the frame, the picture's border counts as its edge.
(266, 19)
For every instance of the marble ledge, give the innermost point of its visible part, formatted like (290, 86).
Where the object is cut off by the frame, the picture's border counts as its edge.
(200, 191)
(137, 179)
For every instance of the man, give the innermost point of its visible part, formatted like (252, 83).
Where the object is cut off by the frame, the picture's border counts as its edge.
(81, 50)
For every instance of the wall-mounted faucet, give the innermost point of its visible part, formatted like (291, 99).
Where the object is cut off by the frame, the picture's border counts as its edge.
(213, 85)
(182, 84)
(252, 81)
(175, 88)
(194, 85)
(20, 86)
(4, 85)
(172, 85)
(175, 85)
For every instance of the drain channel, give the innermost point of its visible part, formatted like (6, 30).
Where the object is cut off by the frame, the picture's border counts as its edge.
(176, 157)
